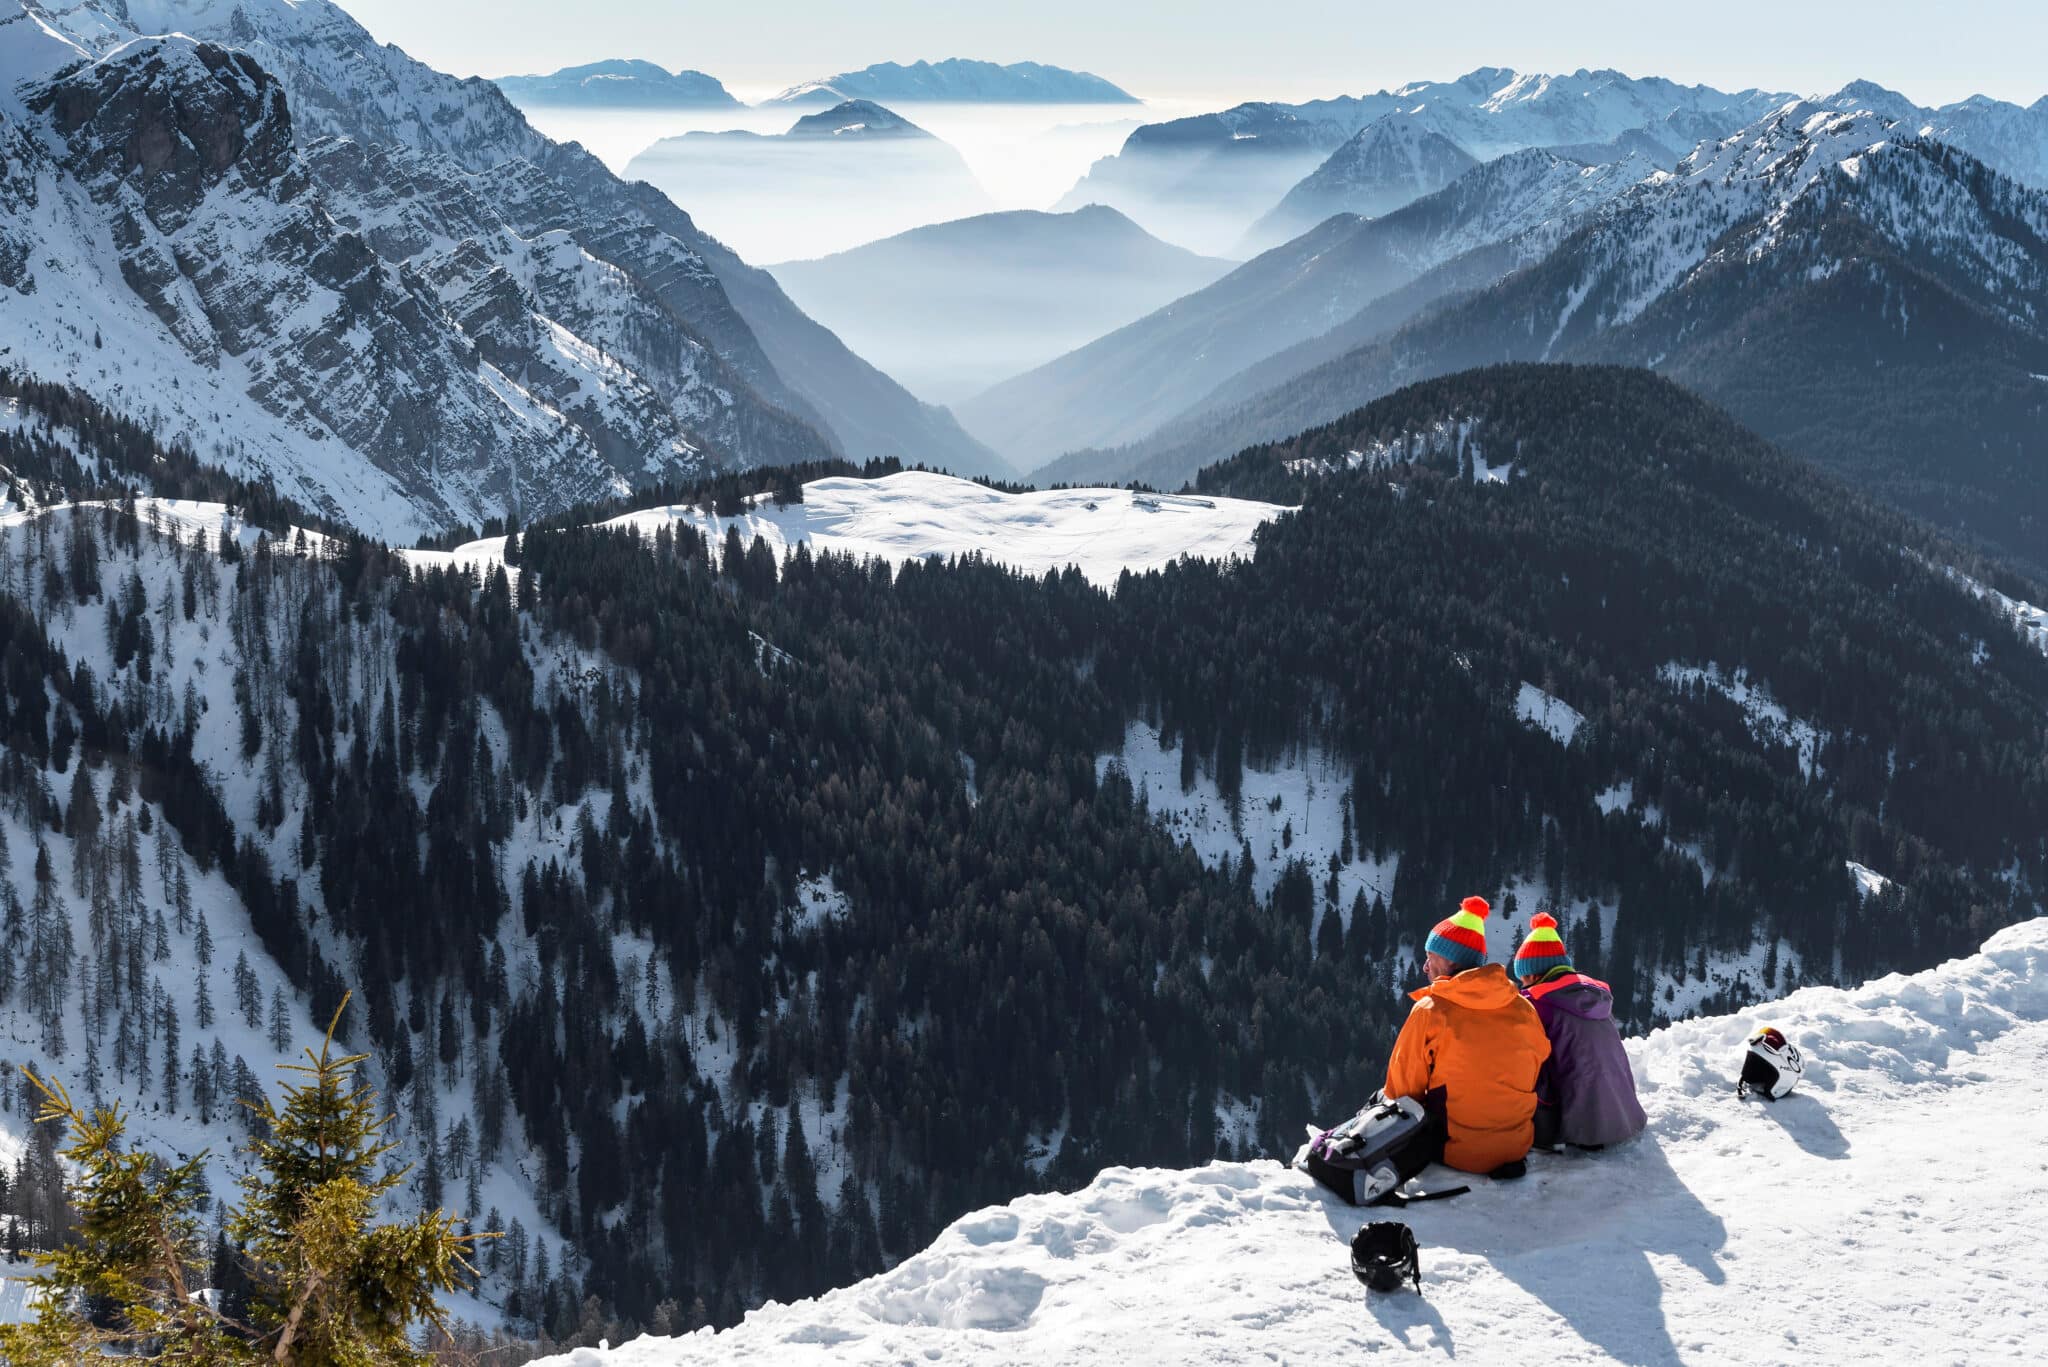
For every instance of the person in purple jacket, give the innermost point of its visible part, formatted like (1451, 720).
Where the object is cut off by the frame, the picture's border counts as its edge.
(1586, 1093)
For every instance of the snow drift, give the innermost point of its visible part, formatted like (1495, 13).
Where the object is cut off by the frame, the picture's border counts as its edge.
(1884, 1211)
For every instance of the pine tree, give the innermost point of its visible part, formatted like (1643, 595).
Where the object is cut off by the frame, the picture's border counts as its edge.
(325, 1286)
(280, 1020)
(331, 1287)
(169, 1022)
(138, 1230)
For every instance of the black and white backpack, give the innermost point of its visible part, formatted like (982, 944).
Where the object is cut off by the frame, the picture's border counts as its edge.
(1367, 1158)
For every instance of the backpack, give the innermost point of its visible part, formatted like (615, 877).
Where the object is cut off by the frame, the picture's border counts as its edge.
(1384, 1254)
(1367, 1158)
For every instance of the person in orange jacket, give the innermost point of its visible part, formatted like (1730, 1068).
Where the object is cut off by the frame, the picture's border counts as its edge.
(1475, 1037)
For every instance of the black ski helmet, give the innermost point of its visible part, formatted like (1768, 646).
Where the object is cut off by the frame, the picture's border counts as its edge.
(1384, 1255)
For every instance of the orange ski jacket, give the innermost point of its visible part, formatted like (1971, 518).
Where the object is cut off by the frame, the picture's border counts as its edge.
(1478, 1038)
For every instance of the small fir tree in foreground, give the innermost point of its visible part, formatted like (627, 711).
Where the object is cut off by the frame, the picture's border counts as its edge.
(138, 1233)
(328, 1288)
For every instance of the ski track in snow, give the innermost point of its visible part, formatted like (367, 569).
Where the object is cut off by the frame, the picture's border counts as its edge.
(1877, 1214)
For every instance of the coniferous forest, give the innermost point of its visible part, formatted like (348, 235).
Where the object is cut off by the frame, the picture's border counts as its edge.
(784, 910)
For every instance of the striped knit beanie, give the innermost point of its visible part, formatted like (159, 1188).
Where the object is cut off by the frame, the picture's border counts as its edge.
(1461, 936)
(1543, 950)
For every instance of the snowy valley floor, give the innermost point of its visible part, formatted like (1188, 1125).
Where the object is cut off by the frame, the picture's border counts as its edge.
(1889, 1211)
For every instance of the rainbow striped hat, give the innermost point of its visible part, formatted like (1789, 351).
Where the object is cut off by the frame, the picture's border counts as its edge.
(1461, 936)
(1543, 950)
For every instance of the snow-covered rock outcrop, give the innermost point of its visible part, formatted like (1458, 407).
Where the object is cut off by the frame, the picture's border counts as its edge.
(1887, 1208)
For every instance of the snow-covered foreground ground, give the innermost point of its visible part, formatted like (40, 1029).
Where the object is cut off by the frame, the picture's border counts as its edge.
(916, 515)
(1888, 1211)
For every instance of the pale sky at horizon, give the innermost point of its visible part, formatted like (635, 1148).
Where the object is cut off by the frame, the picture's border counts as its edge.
(1195, 49)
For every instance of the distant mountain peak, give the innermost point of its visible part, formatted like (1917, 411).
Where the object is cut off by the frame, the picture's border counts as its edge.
(959, 80)
(1869, 95)
(856, 118)
(620, 82)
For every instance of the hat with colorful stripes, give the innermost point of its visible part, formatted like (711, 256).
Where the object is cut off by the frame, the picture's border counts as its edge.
(1543, 950)
(1461, 936)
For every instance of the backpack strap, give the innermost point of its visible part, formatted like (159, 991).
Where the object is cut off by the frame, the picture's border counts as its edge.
(1397, 1198)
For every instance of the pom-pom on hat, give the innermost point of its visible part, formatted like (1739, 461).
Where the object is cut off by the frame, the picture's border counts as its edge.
(1461, 936)
(1543, 950)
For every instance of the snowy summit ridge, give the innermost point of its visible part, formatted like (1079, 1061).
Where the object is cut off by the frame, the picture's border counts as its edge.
(1730, 1232)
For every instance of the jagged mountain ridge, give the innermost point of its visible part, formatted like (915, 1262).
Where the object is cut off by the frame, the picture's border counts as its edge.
(2009, 137)
(1384, 165)
(1863, 296)
(171, 215)
(1213, 171)
(340, 82)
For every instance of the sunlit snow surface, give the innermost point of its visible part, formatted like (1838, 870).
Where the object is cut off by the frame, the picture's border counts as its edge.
(1548, 713)
(919, 516)
(1884, 1212)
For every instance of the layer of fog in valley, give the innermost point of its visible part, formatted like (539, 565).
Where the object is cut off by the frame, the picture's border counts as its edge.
(952, 308)
(771, 202)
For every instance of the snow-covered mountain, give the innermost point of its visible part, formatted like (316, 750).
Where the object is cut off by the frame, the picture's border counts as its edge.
(958, 81)
(1192, 179)
(2010, 137)
(1386, 164)
(1120, 387)
(1696, 1242)
(1875, 300)
(1200, 180)
(621, 83)
(183, 260)
(723, 335)
(994, 295)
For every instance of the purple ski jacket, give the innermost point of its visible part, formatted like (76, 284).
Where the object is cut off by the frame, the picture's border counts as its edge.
(1587, 1077)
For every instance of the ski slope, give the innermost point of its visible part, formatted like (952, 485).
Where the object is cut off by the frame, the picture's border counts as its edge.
(917, 515)
(1886, 1212)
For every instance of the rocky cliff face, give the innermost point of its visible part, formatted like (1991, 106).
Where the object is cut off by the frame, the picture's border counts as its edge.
(342, 83)
(165, 209)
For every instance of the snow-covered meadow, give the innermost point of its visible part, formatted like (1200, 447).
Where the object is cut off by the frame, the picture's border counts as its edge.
(917, 515)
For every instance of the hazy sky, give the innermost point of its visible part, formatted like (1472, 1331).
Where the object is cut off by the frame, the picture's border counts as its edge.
(1232, 49)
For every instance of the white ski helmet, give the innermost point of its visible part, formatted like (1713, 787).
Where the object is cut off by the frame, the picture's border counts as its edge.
(1772, 1065)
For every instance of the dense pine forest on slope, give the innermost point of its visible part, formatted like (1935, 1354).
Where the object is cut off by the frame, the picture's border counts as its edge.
(773, 914)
